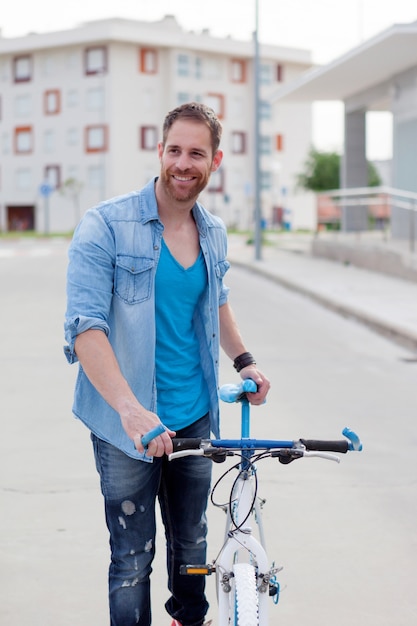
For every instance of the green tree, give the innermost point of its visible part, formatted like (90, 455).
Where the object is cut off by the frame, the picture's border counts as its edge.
(71, 188)
(322, 172)
(374, 179)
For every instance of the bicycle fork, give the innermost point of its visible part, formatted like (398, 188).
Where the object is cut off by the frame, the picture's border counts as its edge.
(240, 545)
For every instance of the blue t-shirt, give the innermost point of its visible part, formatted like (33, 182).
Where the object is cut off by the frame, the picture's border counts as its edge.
(182, 391)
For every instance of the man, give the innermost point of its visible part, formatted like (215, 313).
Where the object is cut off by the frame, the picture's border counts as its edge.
(147, 311)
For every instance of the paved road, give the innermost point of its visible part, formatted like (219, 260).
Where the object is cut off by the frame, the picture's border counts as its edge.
(345, 534)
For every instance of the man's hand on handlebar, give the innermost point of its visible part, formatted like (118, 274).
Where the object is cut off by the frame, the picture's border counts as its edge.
(138, 422)
(157, 446)
(261, 381)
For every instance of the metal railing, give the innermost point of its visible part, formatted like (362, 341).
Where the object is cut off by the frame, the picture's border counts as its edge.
(393, 212)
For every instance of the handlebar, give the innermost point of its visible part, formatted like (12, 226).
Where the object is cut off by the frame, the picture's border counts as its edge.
(286, 451)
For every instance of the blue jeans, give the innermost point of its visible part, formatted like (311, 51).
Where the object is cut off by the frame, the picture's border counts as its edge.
(130, 488)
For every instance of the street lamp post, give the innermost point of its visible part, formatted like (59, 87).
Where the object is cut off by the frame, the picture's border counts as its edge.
(257, 173)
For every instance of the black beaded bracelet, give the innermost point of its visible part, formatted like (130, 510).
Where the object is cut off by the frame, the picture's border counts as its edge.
(243, 360)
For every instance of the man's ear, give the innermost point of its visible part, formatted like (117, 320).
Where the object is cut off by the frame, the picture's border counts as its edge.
(217, 159)
(160, 150)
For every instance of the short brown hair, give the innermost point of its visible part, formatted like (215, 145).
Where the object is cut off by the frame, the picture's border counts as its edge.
(198, 112)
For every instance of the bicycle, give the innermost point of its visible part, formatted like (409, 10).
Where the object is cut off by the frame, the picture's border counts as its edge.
(245, 579)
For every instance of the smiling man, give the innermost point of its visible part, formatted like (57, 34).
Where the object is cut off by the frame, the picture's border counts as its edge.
(147, 311)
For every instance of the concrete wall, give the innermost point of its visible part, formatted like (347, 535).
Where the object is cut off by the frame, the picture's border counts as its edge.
(377, 258)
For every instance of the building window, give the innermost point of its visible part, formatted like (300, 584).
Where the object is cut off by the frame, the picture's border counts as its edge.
(279, 143)
(265, 144)
(73, 136)
(238, 142)
(23, 105)
(95, 177)
(52, 176)
(96, 138)
(52, 102)
(280, 73)
(23, 179)
(49, 141)
(49, 65)
(216, 102)
(95, 99)
(216, 183)
(265, 110)
(22, 68)
(148, 137)
(23, 140)
(72, 98)
(5, 143)
(95, 60)
(148, 61)
(238, 71)
(183, 97)
(265, 74)
(183, 65)
(266, 181)
(72, 60)
(213, 69)
(73, 173)
(198, 65)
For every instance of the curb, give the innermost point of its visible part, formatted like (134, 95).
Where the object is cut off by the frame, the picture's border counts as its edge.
(391, 331)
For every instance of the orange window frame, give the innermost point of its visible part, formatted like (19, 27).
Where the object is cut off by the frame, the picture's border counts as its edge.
(57, 108)
(143, 65)
(243, 72)
(20, 130)
(94, 149)
(220, 97)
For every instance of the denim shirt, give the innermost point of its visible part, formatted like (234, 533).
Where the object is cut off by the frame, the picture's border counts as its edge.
(113, 259)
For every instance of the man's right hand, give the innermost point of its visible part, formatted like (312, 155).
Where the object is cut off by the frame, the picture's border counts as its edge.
(137, 422)
(96, 355)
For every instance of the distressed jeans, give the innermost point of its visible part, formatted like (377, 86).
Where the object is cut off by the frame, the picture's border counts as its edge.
(130, 488)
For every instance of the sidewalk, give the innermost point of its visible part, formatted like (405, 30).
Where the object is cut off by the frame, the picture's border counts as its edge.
(388, 305)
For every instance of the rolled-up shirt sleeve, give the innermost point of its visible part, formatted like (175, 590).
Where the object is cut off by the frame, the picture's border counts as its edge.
(76, 326)
(90, 279)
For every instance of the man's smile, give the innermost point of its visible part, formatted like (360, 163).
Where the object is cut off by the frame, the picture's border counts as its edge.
(183, 178)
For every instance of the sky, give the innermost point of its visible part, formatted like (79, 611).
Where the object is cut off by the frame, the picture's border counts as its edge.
(328, 28)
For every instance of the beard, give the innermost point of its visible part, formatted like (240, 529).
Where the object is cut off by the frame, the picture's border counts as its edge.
(186, 193)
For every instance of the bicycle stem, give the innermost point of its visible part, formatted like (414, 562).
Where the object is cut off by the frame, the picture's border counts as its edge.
(245, 432)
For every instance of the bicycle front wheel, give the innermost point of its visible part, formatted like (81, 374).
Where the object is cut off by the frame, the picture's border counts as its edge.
(247, 605)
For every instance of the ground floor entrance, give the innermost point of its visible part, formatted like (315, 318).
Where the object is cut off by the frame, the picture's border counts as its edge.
(20, 218)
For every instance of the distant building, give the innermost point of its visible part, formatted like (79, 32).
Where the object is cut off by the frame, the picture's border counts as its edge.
(81, 112)
(378, 75)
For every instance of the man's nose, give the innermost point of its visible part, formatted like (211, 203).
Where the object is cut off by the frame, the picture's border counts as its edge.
(183, 162)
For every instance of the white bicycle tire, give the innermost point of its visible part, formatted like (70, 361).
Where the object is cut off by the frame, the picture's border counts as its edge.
(247, 605)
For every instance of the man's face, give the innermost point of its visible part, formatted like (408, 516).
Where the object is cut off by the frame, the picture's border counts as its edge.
(187, 160)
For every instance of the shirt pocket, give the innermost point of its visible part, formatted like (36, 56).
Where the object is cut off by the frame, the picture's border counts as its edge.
(133, 278)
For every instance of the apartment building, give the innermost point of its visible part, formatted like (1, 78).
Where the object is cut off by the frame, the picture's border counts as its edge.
(81, 114)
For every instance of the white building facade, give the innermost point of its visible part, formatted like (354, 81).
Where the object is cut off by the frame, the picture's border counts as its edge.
(81, 114)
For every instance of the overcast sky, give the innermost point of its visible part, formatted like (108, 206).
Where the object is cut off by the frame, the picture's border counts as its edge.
(328, 28)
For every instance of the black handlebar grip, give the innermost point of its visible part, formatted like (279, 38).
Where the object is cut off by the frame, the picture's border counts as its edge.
(186, 443)
(341, 446)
